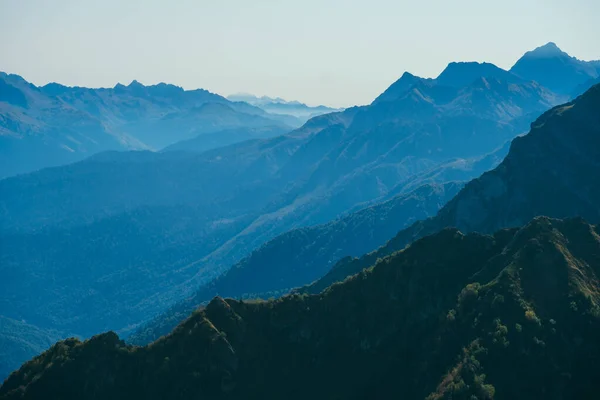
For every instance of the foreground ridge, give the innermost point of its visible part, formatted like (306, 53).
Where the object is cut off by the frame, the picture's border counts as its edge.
(509, 315)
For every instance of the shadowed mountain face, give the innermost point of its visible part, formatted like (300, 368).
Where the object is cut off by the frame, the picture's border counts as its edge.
(452, 316)
(555, 69)
(55, 124)
(551, 171)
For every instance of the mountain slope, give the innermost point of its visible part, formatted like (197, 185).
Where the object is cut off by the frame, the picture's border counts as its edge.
(111, 274)
(555, 69)
(223, 138)
(20, 341)
(400, 87)
(584, 87)
(509, 316)
(300, 256)
(551, 171)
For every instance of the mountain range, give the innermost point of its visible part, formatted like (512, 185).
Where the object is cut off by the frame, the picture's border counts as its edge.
(203, 212)
(111, 241)
(55, 124)
(280, 106)
(547, 65)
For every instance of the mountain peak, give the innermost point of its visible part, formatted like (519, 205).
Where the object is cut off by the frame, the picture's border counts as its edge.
(398, 88)
(163, 89)
(550, 49)
(459, 74)
(135, 83)
(550, 45)
(553, 68)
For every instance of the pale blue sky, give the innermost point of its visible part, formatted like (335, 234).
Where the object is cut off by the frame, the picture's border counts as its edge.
(336, 52)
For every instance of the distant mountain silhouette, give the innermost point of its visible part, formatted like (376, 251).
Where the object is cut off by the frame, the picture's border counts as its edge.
(56, 124)
(555, 69)
(280, 106)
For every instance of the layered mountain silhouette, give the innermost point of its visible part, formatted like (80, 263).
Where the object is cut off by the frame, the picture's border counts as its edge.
(56, 124)
(546, 144)
(226, 202)
(551, 171)
(143, 230)
(452, 316)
